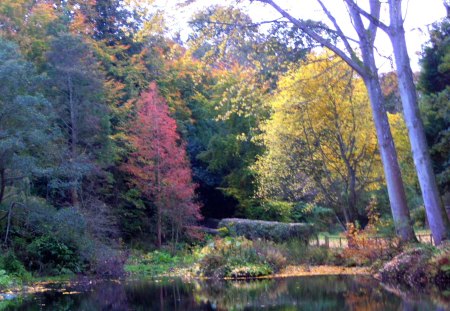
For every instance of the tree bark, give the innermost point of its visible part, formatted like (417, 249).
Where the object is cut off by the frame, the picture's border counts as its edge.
(397, 196)
(434, 208)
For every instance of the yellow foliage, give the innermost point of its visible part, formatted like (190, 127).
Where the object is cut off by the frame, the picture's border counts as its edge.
(321, 127)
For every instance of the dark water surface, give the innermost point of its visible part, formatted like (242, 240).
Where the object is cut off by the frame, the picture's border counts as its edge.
(299, 293)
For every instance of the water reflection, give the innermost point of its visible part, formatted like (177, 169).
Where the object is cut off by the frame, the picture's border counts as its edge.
(306, 293)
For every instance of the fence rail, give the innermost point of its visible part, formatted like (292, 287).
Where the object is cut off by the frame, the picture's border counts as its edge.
(342, 242)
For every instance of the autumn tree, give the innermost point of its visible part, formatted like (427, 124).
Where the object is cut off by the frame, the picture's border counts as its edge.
(159, 166)
(226, 35)
(320, 140)
(349, 49)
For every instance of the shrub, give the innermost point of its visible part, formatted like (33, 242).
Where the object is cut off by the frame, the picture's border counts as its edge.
(249, 271)
(321, 217)
(234, 257)
(270, 210)
(52, 256)
(155, 263)
(267, 230)
(5, 279)
(363, 249)
(271, 254)
(13, 266)
(418, 216)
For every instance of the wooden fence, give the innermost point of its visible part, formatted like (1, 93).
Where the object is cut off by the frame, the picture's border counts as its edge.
(342, 242)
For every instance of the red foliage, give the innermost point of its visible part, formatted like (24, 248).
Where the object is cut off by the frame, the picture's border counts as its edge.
(159, 164)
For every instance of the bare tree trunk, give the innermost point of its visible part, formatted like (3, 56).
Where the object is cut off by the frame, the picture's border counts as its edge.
(436, 216)
(393, 176)
(397, 196)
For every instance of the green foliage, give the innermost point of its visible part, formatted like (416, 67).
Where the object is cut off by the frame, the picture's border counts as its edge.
(418, 216)
(26, 129)
(5, 279)
(12, 266)
(250, 271)
(434, 82)
(53, 256)
(270, 210)
(234, 257)
(299, 254)
(321, 217)
(157, 263)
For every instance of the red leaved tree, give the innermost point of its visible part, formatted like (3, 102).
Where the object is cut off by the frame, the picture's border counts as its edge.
(159, 165)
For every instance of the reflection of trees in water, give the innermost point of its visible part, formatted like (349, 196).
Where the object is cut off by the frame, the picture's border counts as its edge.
(416, 299)
(305, 293)
(237, 295)
(309, 293)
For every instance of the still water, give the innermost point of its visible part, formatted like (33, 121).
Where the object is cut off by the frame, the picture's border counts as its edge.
(300, 293)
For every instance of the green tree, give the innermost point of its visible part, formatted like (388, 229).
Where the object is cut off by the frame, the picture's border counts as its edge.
(77, 92)
(434, 84)
(25, 125)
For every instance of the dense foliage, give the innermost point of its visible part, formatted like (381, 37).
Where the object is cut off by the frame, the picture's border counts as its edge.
(114, 135)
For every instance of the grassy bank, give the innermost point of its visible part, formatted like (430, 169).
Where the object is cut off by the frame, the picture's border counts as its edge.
(239, 257)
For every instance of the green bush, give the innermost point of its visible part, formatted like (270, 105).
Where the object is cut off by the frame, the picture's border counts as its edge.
(13, 266)
(234, 257)
(52, 256)
(156, 263)
(267, 230)
(321, 217)
(5, 279)
(271, 211)
(418, 216)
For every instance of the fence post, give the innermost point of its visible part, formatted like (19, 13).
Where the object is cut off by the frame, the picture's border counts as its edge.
(327, 241)
(431, 239)
(340, 242)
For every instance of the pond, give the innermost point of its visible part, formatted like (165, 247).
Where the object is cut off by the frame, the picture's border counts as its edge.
(297, 293)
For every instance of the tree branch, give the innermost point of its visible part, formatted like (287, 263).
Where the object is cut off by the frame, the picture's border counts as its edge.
(374, 20)
(351, 61)
(339, 31)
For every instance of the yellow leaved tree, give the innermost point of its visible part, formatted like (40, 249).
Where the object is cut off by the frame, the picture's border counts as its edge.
(320, 140)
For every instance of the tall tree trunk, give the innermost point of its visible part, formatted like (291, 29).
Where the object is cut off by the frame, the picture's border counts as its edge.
(397, 196)
(392, 173)
(437, 218)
